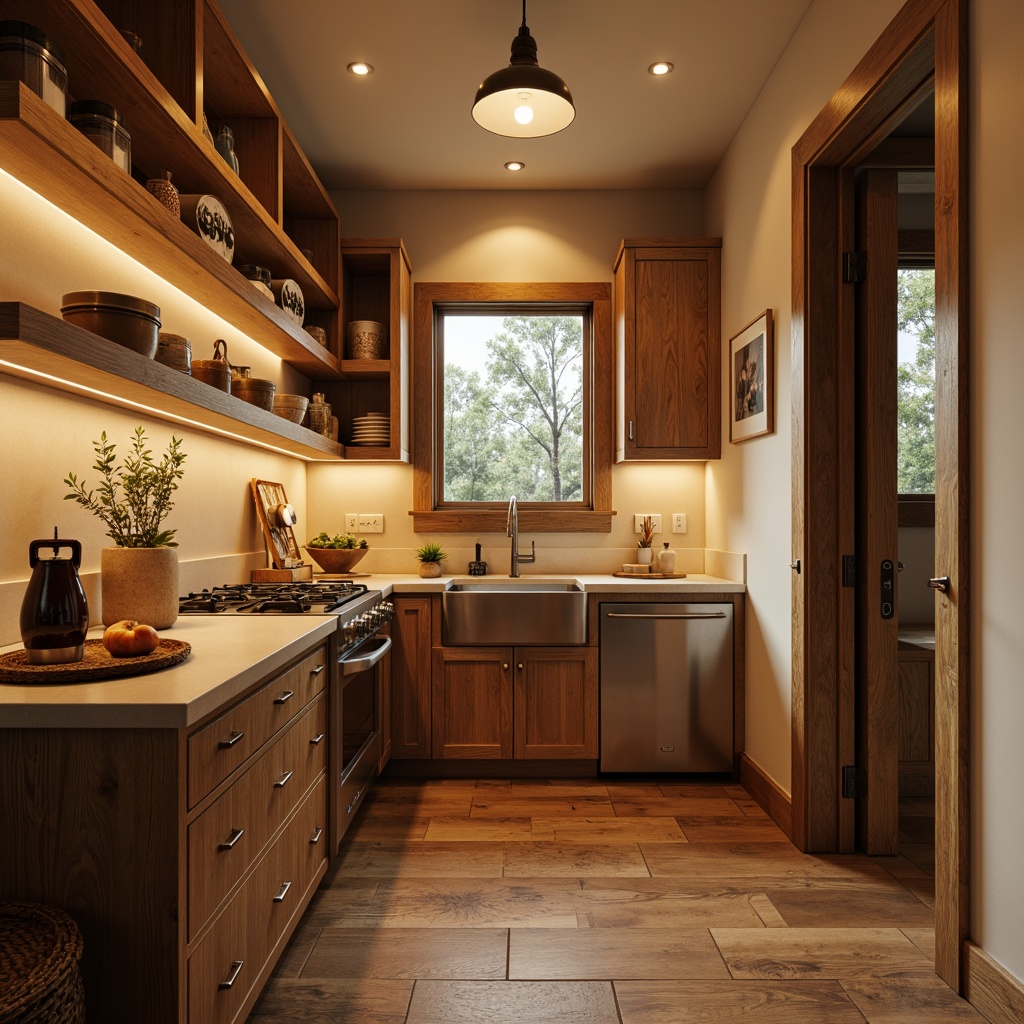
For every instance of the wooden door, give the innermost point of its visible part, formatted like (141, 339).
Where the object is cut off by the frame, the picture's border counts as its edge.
(472, 702)
(410, 678)
(876, 685)
(555, 702)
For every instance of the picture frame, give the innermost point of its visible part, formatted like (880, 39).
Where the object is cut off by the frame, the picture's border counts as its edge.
(752, 380)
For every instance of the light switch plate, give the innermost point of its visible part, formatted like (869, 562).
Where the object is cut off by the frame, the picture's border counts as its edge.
(638, 521)
(351, 522)
(679, 522)
(371, 522)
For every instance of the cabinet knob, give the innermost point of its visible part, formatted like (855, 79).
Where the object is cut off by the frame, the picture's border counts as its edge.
(520, 666)
(504, 665)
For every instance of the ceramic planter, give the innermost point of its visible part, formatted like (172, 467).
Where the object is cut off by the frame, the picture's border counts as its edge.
(430, 570)
(140, 584)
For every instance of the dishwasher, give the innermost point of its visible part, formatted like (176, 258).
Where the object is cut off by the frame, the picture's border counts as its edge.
(666, 687)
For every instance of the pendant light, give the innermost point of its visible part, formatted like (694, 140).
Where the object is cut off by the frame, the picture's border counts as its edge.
(524, 100)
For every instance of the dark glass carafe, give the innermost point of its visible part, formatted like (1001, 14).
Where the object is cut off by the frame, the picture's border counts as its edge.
(54, 613)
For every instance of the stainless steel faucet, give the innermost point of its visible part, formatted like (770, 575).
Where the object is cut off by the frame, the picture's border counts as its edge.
(512, 530)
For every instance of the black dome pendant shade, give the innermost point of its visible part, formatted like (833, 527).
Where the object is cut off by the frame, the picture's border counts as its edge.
(524, 100)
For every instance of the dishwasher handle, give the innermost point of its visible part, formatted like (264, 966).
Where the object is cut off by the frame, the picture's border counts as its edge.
(677, 615)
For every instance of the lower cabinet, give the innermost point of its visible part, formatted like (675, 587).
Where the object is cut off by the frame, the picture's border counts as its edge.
(514, 702)
(410, 678)
(916, 669)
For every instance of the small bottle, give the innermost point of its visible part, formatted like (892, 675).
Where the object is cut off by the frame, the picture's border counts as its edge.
(666, 559)
(161, 189)
(226, 147)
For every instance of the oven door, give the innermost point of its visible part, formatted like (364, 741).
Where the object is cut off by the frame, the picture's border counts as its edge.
(356, 727)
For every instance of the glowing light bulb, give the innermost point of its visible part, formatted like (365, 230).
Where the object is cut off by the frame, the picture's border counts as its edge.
(524, 112)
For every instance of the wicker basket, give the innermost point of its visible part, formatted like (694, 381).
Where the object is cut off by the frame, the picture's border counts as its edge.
(39, 978)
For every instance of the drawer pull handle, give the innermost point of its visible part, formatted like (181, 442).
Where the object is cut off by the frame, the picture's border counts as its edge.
(236, 834)
(233, 973)
(317, 740)
(279, 898)
(285, 697)
(315, 837)
(231, 740)
(316, 671)
(283, 780)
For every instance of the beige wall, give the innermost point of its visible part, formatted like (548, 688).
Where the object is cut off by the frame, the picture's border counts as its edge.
(514, 236)
(997, 484)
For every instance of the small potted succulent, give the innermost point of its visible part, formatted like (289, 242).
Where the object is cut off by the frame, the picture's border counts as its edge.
(337, 554)
(644, 552)
(431, 555)
(139, 575)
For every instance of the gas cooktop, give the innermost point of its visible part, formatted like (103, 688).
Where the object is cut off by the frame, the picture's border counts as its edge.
(320, 597)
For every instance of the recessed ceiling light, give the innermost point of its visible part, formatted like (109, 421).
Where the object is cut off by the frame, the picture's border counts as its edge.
(662, 67)
(360, 68)
(515, 165)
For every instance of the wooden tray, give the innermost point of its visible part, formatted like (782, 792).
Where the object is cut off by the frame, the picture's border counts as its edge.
(280, 539)
(651, 575)
(98, 663)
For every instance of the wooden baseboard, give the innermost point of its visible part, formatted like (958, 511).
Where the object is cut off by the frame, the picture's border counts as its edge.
(990, 988)
(774, 800)
(487, 768)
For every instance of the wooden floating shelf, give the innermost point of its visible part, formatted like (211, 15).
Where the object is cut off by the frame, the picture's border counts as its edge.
(34, 344)
(51, 157)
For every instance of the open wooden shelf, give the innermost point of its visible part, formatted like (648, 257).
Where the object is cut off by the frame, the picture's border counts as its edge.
(33, 343)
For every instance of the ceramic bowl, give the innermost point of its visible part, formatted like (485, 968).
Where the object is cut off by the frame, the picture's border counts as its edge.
(291, 407)
(335, 560)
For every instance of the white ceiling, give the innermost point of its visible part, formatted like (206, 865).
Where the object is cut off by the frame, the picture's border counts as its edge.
(408, 125)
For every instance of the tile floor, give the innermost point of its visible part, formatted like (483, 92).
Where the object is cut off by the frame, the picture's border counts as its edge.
(607, 902)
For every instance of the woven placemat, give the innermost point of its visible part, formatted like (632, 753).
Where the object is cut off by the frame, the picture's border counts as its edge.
(98, 663)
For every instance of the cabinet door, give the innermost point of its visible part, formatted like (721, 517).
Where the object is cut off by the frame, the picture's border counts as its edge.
(555, 702)
(670, 352)
(384, 703)
(472, 698)
(410, 678)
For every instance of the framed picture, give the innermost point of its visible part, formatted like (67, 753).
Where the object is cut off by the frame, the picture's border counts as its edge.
(752, 380)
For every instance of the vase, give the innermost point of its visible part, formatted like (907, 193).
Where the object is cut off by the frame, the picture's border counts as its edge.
(645, 556)
(430, 570)
(139, 584)
(666, 560)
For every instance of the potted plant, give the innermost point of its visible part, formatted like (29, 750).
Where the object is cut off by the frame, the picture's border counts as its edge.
(431, 555)
(645, 554)
(139, 574)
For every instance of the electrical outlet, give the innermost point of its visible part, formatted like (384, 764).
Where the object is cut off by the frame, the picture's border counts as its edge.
(638, 521)
(371, 522)
(679, 522)
(351, 522)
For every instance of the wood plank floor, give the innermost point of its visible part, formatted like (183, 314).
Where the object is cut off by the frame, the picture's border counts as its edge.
(606, 902)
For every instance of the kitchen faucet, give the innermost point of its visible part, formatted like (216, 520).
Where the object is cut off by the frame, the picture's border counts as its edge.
(512, 530)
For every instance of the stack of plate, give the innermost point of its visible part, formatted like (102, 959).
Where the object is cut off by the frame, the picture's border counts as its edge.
(372, 430)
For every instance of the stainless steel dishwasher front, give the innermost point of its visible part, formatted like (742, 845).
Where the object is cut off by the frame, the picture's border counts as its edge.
(666, 687)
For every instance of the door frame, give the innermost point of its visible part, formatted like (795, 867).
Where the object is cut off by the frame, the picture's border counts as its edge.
(923, 49)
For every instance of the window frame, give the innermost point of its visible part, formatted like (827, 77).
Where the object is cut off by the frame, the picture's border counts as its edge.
(593, 514)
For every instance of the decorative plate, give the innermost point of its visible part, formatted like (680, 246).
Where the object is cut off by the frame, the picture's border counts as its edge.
(98, 663)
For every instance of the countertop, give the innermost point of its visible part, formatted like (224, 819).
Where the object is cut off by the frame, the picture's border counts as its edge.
(229, 654)
(590, 583)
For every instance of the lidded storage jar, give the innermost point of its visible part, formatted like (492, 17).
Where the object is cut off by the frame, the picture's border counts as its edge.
(28, 55)
(101, 124)
(259, 276)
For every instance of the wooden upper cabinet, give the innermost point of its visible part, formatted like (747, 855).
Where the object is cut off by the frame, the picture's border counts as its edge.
(668, 349)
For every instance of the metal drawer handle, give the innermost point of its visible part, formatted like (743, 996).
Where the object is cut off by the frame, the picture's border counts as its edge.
(279, 898)
(692, 615)
(233, 973)
(317, 740)
(316, 671)
(231, 740)
(283, 780)
(315, 837)
(236, 834)
(285, 697)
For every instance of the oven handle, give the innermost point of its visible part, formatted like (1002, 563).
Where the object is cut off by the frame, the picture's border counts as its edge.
(352, 666)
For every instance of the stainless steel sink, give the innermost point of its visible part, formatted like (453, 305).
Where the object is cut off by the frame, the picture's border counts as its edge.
(508, 612)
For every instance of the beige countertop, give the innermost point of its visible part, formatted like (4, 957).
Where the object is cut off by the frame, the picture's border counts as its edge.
(592, 583)
(229, 654)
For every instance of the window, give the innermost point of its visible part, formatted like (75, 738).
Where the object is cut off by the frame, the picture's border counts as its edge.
(512, 395)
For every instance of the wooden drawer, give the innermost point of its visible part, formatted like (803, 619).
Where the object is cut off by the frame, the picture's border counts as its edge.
(248, 930)
(217, 749)
(225, 839)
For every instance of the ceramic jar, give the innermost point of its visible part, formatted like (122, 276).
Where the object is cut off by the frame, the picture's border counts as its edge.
(164, 192)
(139, 584)
(666, 560)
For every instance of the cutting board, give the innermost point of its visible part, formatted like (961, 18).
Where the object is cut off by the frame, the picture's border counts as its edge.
(280, 538)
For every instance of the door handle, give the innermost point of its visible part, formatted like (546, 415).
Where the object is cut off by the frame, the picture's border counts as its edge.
(940, 583)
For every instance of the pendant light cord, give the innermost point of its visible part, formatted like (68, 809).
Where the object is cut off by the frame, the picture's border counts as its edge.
(524, 13)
